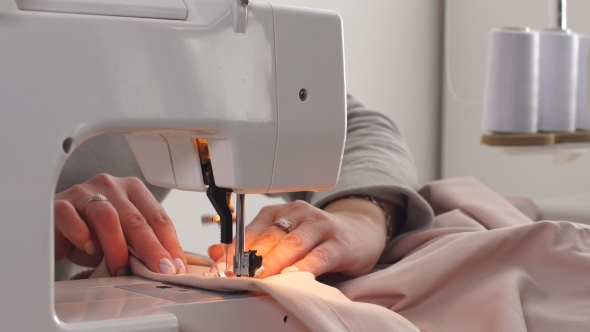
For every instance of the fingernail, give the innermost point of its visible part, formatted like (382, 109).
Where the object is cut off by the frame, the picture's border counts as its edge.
(180, 268)
(166, 266)
(290, 269)
(259, 272)
(90, 248)
(123, 272)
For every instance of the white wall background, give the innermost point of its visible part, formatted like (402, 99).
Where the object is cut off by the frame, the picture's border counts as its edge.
(467, 25)
(393, 64)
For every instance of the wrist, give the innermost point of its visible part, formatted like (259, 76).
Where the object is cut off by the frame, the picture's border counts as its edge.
(364, 208)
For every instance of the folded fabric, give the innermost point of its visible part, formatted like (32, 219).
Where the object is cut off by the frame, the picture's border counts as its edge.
(318, 306)
(484, 266)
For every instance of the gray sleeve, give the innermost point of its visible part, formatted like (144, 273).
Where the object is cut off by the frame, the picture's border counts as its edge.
(378, 163)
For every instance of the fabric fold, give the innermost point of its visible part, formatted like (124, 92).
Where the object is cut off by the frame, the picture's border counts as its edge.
(482, 265)
(318, 306)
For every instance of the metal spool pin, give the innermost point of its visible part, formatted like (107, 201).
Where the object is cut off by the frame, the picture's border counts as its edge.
(562, 15)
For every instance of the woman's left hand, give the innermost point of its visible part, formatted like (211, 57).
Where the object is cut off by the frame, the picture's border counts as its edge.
(348, 236)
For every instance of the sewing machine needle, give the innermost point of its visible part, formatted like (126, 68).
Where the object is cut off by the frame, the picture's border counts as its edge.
(225, 250)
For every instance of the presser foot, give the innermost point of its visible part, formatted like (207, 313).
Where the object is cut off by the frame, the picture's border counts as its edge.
(248, 264)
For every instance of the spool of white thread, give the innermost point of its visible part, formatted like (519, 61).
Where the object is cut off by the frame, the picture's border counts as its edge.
(582, 116)
(512, 81)
(558, 78)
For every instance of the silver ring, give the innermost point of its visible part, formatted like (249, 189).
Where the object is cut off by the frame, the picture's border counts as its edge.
(97, 197)
(283, 224)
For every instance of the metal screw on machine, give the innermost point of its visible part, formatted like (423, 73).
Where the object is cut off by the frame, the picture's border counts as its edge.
(245, 2)
(303, 94)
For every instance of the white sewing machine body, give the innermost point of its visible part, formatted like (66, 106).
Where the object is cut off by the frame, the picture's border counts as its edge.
(166, 72)
(137, 304)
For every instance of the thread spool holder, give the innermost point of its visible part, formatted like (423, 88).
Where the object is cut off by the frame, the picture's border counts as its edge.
(565, 148)
(563, 153)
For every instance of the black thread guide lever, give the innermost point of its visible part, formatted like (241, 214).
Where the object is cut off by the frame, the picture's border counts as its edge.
(219, 198)
(246, 264)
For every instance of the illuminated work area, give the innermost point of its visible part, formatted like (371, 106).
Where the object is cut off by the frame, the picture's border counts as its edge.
(294, 165)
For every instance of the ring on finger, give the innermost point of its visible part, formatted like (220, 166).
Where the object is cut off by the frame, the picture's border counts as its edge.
(283, 224)
(95, 198)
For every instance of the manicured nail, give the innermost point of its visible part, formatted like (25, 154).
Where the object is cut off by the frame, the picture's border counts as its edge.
(90, 248)
(259, 272)
(123, 272)
(290, 269)
(166, 266)
(180, 268)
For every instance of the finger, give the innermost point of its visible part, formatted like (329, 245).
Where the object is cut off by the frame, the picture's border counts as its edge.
(268, 240)
(262, 221)
(323, 258)
(104, 219)
(141, 237)
(262, 236)
(298, 213)
(259, 225)
(216, 252)
(158, 220)
(81, 258)
(263, 245)
(72, 227)
(259, 236)
(134, 225)
(63, 246)
(292, 247)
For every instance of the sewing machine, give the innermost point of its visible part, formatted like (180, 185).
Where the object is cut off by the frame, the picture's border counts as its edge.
(260, 86)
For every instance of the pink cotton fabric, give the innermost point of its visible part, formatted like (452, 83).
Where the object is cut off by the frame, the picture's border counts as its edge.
(320, 307)
(482, 266)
